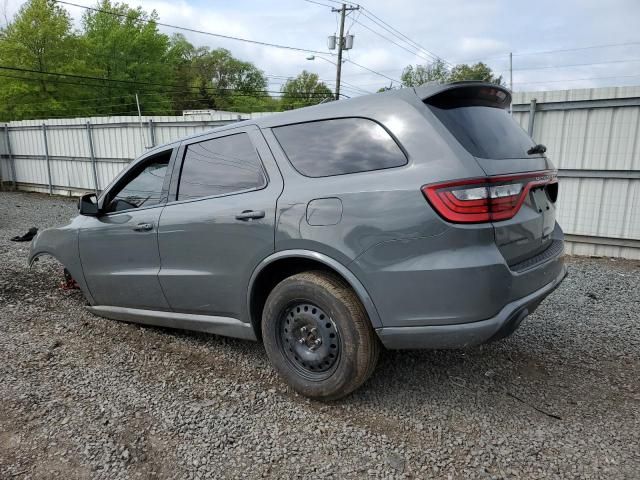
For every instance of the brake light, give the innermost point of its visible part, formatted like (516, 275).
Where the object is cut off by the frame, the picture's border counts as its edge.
(488, 199)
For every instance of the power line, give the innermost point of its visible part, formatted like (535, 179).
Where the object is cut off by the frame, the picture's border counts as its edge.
(373, 71)
(630, 60)
(153, 112)
(395, 31)
(429, 59)
(355, 20)
(608, 45)
(86, 100)
(576, 79)
(99, 109)
(218, 35)
(349, 86)
(318, 3)
(504, 56)
(381, 23)
(351, 90)
(134, 82)
(415, 50)
(368, 12)
(360, 74)
(89, 99)
(192, 30)
(48, 81)
(342, 82)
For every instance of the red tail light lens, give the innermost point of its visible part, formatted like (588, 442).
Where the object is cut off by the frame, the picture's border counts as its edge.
(488, 199)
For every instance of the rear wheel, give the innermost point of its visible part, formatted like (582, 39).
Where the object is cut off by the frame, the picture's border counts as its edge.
(317, 335)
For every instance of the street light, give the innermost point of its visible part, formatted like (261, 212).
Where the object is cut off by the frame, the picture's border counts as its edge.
(313, 57)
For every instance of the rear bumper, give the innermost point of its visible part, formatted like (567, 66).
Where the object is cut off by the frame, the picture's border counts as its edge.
(468, 334)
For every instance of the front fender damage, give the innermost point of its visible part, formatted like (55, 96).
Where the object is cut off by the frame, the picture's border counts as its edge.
(61, 244)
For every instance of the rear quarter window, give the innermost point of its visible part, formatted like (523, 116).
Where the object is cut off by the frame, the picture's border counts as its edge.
(339, 146)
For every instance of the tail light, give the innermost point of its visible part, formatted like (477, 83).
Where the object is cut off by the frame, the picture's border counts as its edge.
(488, 199)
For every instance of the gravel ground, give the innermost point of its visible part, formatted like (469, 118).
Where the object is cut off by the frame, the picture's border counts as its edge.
(85, 397)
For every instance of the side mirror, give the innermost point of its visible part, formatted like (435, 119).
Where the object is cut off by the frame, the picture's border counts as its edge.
(88, 205)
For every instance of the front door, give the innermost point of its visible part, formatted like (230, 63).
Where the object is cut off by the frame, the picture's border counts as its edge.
(221, 222)
(119, 249)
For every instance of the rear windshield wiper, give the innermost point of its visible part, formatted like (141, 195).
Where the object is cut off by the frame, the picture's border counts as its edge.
(539, 148)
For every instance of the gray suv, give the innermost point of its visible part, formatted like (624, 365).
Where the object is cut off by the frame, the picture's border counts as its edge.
(416, 218)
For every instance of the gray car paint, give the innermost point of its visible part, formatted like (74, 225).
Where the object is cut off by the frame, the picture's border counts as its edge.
(62, 244)
(410, 268)
(207, 254)
(121, 262)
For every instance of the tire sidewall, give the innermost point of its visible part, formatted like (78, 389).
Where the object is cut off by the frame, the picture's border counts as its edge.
(294, 290)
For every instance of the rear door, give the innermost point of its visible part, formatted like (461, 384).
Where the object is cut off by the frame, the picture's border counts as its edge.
(477, 116)
(220, 221)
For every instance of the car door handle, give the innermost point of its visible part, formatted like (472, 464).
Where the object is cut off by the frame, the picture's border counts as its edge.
(250, 215)
(143, 227)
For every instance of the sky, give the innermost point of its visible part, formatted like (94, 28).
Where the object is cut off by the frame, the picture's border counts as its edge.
(457, 31)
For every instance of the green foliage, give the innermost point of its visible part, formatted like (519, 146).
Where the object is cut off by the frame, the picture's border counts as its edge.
(220, 81)
(304, 90)
(126, 46)
(123, 50)
(413, 76)
(478, 71)
(41, 39)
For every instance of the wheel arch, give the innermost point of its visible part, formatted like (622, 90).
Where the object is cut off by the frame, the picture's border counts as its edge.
(61, 244)
(281, 265)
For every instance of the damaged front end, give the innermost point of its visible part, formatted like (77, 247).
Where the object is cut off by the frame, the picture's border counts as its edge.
(62, 244)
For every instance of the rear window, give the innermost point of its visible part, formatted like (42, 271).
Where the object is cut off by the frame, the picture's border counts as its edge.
(483, 127)
(336, 147)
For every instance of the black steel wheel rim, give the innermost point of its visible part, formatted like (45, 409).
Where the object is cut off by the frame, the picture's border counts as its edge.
(309, 340)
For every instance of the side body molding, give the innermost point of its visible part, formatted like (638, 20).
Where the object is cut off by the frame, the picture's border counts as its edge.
(353, 281)
(226, 326)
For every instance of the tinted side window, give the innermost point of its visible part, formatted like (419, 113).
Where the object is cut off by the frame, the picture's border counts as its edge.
(220, 165)
(144, 189)
(339, 146)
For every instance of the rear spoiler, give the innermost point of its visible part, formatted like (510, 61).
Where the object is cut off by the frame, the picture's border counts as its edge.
(463, 94)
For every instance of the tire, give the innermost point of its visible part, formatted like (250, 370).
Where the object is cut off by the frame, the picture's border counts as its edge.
(336, 358)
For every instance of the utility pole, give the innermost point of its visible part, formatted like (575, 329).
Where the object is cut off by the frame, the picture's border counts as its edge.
(144, 144)
(341, 42)
(511, 80)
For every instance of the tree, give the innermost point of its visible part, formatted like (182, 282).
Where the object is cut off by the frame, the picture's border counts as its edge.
(478, 71)
(413, 76)
(421, 74)
(125, 54)
(39, 38)
(304, 90)
(215, 79)
(180, 58)
(126, 47)
(223, 81)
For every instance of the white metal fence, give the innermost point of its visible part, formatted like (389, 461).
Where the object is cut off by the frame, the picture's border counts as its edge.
(66, 156)
(592, 136)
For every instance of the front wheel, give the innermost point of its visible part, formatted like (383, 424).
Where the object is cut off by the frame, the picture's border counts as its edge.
(317, 335)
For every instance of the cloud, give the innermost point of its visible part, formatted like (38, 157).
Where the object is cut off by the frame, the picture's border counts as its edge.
(479, 46)
(455, 29)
